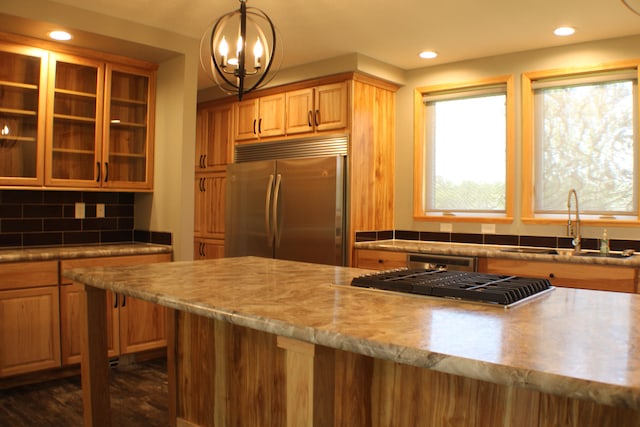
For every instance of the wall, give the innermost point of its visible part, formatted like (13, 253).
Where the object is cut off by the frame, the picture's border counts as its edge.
(170, 208)
(517, 63)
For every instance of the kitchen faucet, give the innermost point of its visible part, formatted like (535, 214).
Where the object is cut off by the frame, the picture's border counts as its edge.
(573, 229)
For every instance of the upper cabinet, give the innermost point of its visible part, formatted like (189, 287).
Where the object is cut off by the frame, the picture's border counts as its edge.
(127, 151)
(317, 109)
(214, 147)
(260, 117)
(81, 121)
(292, 113)
(22, 105)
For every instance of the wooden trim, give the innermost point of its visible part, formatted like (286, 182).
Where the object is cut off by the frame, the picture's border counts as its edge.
(172, 367)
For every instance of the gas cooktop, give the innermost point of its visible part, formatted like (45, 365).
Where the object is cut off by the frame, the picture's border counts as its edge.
(462, 285)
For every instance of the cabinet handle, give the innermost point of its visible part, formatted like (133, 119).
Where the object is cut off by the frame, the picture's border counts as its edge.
(204, 161)
(106, 171)
(98, 168)
(115, 304)
(551, 275)
(204, 184)
(202, 253)
(124, 300)
(260, 125)
(316, 117)
(200, 161)
(254, 126)
(309, 118)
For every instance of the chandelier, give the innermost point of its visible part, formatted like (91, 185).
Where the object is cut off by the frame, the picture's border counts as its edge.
(240, 72)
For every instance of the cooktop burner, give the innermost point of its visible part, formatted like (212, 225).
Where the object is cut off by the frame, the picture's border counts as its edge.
(464, 285)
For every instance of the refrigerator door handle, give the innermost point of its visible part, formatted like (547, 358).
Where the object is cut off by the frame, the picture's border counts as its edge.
(274, 210)
(267, 212)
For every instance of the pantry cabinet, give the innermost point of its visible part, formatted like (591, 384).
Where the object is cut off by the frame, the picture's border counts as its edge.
(208, 248)
(83, 121)
(29, 317)
(23, 94)
(260, 117)
(214, 146)
(133, 325)
(317, 109)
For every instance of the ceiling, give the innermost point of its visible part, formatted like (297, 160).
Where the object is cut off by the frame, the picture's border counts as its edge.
(393, 32)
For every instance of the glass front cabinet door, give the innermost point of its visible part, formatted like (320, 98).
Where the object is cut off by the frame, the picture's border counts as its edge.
(74, 122)
(128, 134)
(22, 105)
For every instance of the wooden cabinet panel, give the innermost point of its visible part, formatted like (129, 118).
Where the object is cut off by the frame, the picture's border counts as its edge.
(379, 260)
(208, 248)
(317, 109)
(29, 317)
(210, 205)
(260, 117)
(132, 325)
(599, 277)
(214, 146)
(23, 74)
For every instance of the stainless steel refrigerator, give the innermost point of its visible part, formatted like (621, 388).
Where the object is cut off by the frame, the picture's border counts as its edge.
(287, 208)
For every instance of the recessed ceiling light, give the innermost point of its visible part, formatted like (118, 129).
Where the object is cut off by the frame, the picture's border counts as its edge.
(428, 54)
(60, 35)
(564, 31)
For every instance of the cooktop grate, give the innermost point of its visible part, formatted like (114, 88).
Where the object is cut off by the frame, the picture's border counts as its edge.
(464, 285)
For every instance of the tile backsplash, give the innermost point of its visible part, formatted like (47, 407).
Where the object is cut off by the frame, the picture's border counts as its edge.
(47, 218)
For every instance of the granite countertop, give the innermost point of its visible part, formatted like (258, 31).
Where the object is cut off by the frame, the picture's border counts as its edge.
(497, 251)
(572, 342)
(85, 251)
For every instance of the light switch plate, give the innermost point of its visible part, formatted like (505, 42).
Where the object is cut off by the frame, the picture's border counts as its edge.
(79, 210)
(100, 210)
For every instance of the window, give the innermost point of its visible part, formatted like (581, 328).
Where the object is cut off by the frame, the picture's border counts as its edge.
(582, 135)
(465, 150)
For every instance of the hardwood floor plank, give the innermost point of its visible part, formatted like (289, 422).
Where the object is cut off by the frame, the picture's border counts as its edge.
(138, 399)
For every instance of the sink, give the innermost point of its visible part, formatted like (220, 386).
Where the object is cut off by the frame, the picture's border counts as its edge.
(543, 251)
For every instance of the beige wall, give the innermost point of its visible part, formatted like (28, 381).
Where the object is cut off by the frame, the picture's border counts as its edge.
(543, 59)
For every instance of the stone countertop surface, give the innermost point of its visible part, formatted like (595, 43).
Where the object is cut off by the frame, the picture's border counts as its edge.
(572, 342)
(498, 251)
(86, 251)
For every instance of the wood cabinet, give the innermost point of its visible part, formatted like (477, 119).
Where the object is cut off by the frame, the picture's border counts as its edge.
(214, 146)
(70, 120)
(133, 325)
(317, 109)
(585, 276)
(379, 260)
(22, 114)
(100, 125)
(208, 248)
(29, 317)
(260, 117)
(209, 204)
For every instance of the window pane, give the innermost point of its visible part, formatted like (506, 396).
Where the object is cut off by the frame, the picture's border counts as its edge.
(468, 150)
(585, 141)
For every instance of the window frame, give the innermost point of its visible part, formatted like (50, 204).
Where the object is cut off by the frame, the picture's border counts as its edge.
(528, 214)
(420, 149)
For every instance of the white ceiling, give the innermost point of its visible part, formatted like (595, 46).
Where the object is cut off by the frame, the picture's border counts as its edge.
(393, 31)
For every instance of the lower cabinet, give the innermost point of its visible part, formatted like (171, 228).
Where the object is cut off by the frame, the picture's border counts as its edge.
(29, 317)
(379, 260)
(208, 248)
(584, 276)
(132, 325)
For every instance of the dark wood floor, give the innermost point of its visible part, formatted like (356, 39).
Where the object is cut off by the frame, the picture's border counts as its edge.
(138, 398)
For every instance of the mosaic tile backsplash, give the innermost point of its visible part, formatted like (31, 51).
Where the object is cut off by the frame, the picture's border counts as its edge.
(47, 218)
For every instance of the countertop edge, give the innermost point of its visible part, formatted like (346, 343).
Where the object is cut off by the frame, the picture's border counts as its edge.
(491, 251)
(89, 251)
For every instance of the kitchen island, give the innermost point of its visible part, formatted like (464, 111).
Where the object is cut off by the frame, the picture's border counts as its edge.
(258, 341)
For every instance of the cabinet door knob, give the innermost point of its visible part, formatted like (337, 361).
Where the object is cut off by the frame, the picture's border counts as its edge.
(551, 275)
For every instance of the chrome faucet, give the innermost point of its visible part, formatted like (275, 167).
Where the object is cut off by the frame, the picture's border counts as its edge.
(573, 229)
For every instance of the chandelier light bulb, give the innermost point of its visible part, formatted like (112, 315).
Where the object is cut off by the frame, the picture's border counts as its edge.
(257, 53)
(224, 51)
